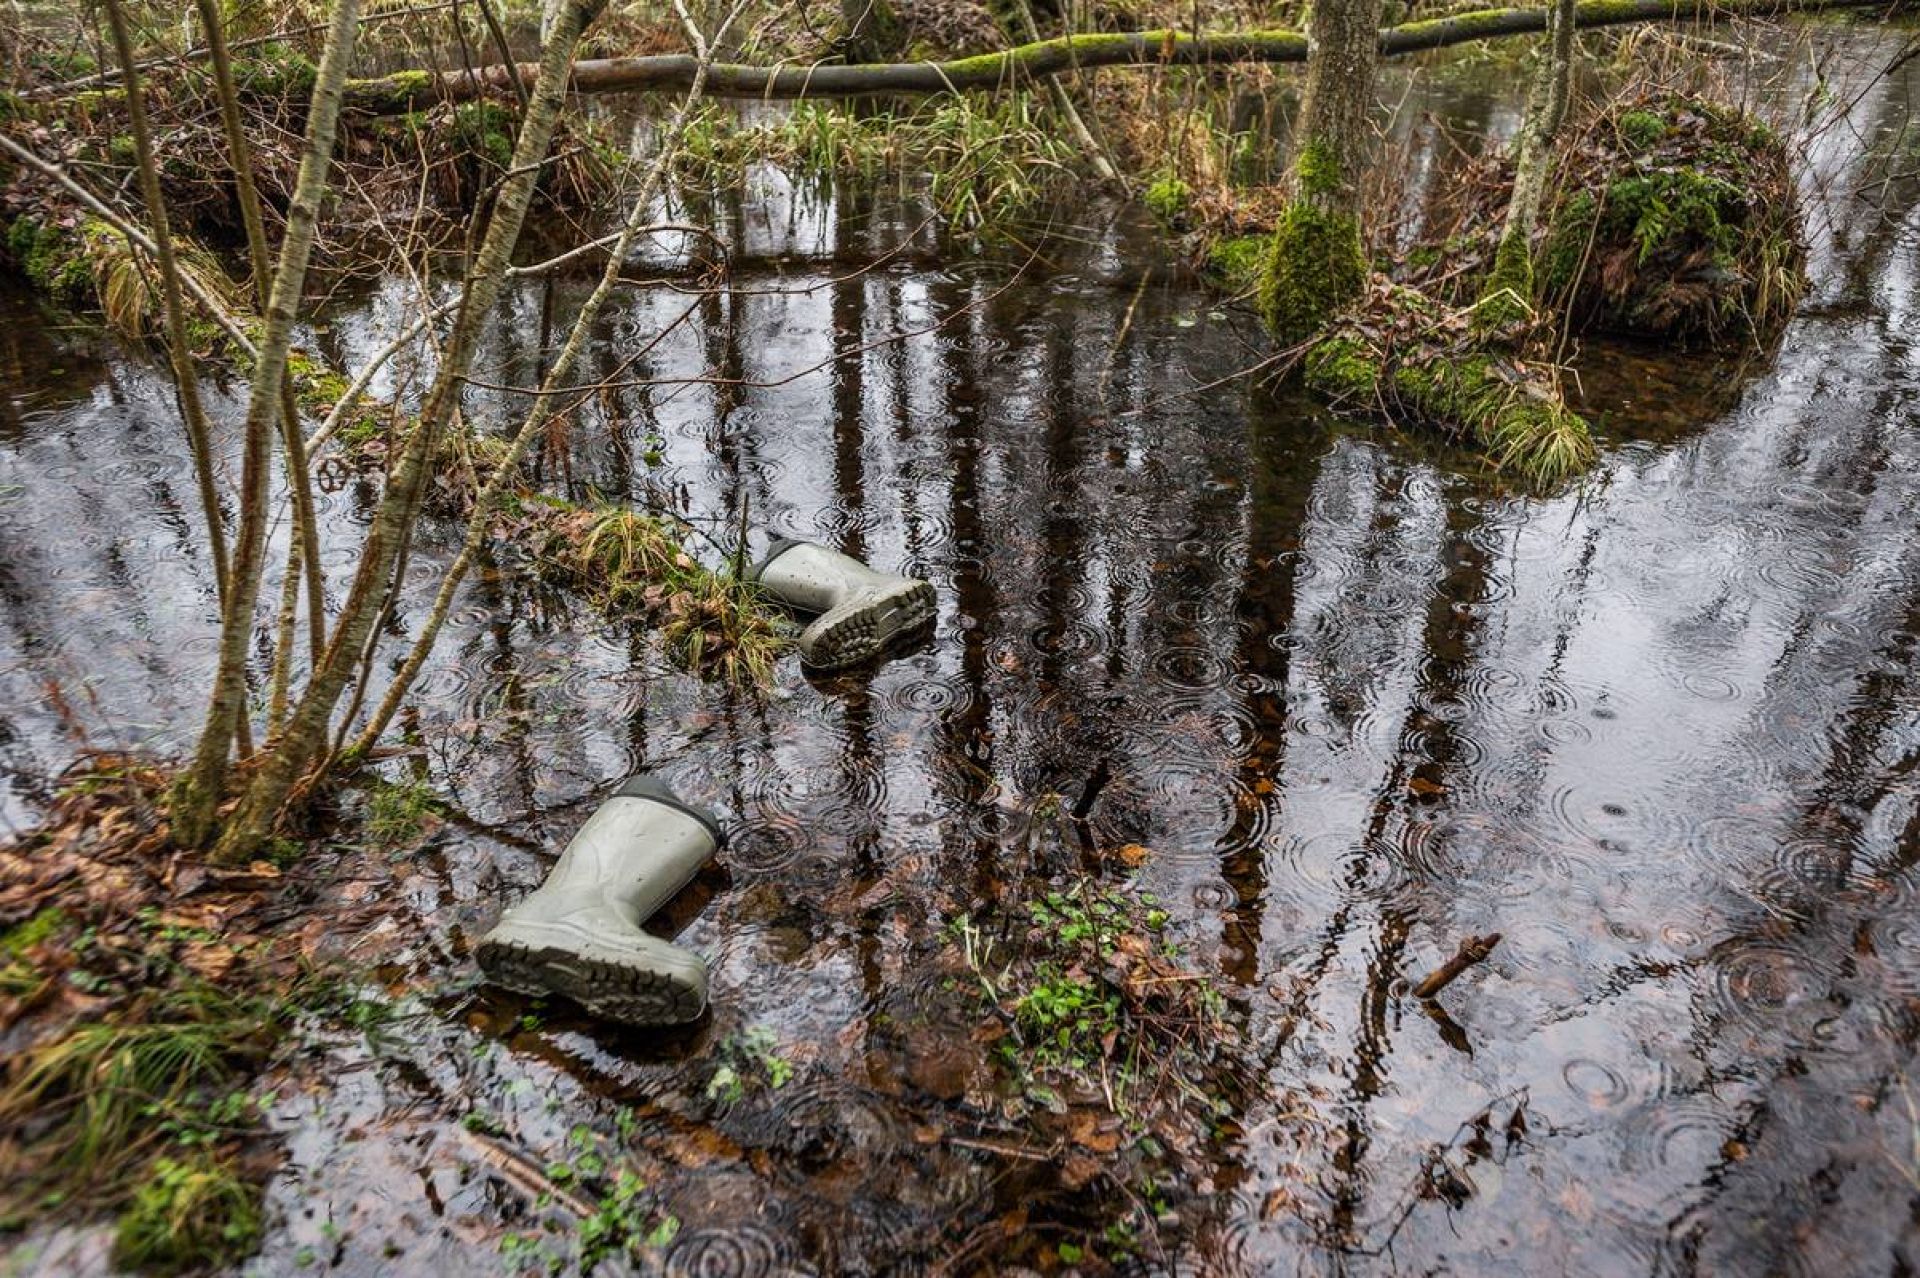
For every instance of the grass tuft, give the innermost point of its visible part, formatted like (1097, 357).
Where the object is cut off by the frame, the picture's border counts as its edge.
(712, 623)
(96, 1097)
(190, 1213)
(987, 163)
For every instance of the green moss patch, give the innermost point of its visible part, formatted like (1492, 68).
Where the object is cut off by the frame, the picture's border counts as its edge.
(1411, 360)
(1168, 199)
(1315, 266)
(1670, 217)
(1236, 261)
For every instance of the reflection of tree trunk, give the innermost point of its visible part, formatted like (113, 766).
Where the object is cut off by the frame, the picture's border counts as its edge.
(1448, 641)
(969, 734)
(1063, 531)
(1509, 289)
(1283, 481)
(849, 406)
(1318, 263)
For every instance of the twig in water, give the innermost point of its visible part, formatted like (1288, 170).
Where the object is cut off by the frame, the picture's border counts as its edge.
(1473, 949)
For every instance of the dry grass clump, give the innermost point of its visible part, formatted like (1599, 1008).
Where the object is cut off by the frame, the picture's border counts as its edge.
(635, 566)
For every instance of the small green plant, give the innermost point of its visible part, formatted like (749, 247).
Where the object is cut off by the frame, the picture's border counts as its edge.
(188, 1213)
(747, 1063)
(398, 812)
(611, 1216)
(625, 1223)
(1167, 198)
(1642, 128)
(34, 930)
(1066, 1018)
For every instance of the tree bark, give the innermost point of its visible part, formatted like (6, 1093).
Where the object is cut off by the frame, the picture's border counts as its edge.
(202, 787)
(1508, 292)
(412, 90)
(393, 521)
(1317, 263)
(186, 378)
(303, 556)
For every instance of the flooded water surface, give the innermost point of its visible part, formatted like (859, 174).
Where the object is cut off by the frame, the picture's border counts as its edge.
(1354, 702)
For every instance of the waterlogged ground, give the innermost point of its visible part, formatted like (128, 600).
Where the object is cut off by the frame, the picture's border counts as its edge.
(1660, 733)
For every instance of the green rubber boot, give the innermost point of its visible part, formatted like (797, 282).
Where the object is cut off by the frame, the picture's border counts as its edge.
(579, 934)
(861, 610)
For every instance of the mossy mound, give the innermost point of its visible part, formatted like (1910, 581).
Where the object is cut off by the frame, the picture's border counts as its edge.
(1675, 218)
(1670, 217)
(1404, 356)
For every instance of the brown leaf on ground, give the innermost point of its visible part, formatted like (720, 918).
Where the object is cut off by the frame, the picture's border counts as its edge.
(1089, 1132)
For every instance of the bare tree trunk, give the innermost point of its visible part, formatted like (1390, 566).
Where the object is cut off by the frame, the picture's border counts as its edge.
(303, 557)
(394, 519)
(186, 379)
(201, 788)
(1508, 292)
(1318, 262)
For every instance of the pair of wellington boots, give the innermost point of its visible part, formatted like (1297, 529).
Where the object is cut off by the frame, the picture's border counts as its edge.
(579, 934)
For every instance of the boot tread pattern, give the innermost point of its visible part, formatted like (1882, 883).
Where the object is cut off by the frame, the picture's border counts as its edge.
(869, 627)
(632, 993)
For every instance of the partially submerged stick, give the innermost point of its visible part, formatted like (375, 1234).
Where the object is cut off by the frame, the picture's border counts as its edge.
(1474, 949)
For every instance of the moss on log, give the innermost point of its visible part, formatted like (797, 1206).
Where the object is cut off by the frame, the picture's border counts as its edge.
(411, 90)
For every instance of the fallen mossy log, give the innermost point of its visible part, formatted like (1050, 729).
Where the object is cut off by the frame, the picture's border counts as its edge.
(411, 90)
(1401, 354)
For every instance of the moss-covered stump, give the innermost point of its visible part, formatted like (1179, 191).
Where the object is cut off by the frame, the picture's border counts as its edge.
(1411, 359)
(1315, 266)
(1669, 218)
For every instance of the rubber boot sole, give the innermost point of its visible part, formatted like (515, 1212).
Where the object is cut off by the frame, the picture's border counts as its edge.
(644, 982)
(860, 630)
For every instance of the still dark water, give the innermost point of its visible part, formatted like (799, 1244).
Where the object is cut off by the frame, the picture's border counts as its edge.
(1660, 732)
